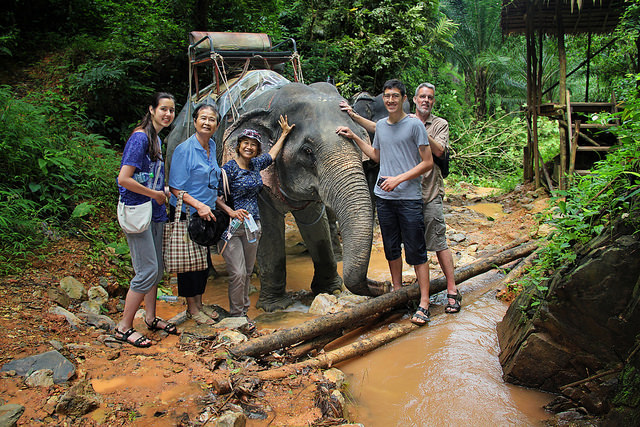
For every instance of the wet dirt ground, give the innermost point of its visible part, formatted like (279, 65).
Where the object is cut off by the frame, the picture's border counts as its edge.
(170, 383)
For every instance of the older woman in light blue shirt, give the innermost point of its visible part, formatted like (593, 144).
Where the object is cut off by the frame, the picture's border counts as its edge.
(195, 170)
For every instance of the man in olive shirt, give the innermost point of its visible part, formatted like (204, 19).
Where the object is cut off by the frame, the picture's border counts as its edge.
(433, 191)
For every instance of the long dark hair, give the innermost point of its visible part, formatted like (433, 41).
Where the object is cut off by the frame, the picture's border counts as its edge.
(146, 124)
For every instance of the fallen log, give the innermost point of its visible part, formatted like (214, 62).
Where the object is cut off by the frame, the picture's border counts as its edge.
(332, 322)
(330, 358)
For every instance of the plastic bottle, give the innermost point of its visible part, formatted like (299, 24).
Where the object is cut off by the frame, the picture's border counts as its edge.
(168, 298)
(233, 226)
(142, 177)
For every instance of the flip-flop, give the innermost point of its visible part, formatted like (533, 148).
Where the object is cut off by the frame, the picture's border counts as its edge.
(169, 327)
(418, 315)
(124, 337)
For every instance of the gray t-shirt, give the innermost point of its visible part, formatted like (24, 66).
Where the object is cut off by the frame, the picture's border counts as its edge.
(399, 144)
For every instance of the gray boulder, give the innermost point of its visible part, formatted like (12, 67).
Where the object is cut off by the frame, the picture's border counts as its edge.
(62, 369)
(9, 414)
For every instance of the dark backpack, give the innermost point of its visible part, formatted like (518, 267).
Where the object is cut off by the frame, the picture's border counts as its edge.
(443, 163)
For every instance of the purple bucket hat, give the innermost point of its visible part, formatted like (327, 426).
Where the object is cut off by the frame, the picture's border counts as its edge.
(250, 133)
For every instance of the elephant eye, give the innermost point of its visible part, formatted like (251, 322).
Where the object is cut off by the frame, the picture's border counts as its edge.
(307, 150)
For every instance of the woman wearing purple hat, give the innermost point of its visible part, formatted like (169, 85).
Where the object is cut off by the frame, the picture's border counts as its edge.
(239, 250)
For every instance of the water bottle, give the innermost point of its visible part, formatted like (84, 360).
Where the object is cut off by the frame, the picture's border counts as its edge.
(142, 177)
(233, 226)
(168, 298)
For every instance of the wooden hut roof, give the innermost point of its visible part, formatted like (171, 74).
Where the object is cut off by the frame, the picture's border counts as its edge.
(593, 16)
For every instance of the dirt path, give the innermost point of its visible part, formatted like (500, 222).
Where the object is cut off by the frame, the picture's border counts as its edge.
(170, 383)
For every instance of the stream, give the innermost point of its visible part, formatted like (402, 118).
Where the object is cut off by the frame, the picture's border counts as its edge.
(444, 374)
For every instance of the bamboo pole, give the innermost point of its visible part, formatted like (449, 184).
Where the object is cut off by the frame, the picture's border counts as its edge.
(562, 57)
(328, 323)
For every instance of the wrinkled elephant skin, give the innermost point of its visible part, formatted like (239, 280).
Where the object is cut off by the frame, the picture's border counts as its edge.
(316, 167)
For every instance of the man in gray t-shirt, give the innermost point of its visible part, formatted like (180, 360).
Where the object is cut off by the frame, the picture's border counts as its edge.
(401, 146)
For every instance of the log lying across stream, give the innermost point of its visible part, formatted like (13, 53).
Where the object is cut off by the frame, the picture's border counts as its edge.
(331, 322)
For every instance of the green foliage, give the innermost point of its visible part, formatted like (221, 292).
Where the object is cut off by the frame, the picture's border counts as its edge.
(112, 91)
(50, 169)
(491, 149)
(361, 45)
(591, 204)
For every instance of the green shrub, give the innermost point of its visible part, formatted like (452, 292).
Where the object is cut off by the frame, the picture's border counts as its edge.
(49, 169)
(594, 201)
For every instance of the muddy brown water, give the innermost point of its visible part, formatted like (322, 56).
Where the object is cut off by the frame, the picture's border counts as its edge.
(444, 374)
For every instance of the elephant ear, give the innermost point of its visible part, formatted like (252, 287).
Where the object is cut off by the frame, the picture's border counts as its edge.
(260, 120)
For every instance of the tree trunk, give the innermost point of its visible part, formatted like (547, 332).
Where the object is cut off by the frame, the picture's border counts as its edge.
(328, 323)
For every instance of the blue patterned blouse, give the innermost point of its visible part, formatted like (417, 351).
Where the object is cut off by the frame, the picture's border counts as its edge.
(245, 184)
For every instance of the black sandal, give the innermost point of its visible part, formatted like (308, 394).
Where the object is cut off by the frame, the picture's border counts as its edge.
(455, 307)
(169, 328)
(418, 315)
(124, 337)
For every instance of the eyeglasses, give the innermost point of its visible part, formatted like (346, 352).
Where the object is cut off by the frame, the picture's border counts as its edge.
(391, 96)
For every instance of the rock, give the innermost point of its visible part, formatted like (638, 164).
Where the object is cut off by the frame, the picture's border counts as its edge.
(9, 414)
(98, 320)
(231, 337)
(50, 407)
(120, 306)
(336, 376)
(61, 367)
(57, 345)
(40, 378)
(323, 304)
(232, 323)
(326, 304)
(71, 318)
(98, 295)
(73, 288)
(231, 419)
(457, 237)
(90, 307)
(586, 323)
(59, 296)
(80, 399)
(571, 416)
(528, 206)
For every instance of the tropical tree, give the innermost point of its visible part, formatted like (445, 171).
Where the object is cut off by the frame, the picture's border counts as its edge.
(477, 46)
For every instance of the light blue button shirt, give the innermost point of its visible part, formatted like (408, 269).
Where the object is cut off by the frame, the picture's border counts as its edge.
(193, 172)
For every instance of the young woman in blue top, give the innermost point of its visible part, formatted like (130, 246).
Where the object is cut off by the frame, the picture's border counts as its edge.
(245, 183)
(142, 166)
(195, 170)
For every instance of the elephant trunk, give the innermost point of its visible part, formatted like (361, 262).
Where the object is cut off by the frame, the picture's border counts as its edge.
(343, 188)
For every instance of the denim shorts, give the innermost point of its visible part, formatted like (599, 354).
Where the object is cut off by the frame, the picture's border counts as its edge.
(401, 222)
(435, 228)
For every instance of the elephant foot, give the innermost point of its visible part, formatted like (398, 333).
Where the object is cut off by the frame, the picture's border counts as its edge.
(270, 304)
(327, 286)
(379, 288)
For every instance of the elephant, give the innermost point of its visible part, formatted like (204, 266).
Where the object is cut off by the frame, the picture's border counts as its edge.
(316, 168)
